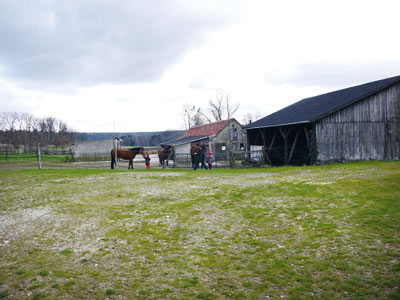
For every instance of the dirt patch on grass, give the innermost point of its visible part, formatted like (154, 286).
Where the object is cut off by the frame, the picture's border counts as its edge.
(214, 235)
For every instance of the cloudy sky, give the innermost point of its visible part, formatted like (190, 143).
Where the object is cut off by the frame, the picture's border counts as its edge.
(133, 64)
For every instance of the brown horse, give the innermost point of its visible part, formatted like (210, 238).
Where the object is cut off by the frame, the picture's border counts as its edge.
(129, 154)
(164, 154)
(193, 153)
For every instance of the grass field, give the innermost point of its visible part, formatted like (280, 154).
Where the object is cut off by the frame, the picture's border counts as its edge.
(329, 232)
(32, 157)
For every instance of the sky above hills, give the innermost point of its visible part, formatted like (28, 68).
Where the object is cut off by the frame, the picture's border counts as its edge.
(104, 65)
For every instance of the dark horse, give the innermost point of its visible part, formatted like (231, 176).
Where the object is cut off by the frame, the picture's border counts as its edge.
(129, 154)
(164, 154)
(193, 153)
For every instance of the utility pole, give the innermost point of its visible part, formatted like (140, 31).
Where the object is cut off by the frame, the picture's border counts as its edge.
(115, 142)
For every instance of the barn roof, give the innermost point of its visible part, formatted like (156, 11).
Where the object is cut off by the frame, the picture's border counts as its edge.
(199, 133)
(184, 140)
(312, 109)
(206, 130)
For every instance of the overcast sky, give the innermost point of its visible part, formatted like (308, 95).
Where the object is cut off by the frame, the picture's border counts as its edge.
(96, 63)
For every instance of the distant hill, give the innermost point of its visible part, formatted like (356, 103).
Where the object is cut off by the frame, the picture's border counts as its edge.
(135, 138)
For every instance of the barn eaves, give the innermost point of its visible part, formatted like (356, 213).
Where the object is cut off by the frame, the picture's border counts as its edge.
(314, 108)
(356, 123)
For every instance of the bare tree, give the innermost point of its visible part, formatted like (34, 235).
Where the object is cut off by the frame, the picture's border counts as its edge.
(230, 107)
(220, 109)
(27, 121)
(23, 129)
(49, 129)
(8, 120)
(8, 123)
(250, 117)
(188, 113)
(198, 120)
(61, 138)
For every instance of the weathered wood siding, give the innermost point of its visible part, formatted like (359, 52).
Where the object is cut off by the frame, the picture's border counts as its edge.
(366, 130)
(223, 137)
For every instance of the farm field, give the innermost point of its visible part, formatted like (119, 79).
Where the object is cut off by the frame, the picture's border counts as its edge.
(326, 232)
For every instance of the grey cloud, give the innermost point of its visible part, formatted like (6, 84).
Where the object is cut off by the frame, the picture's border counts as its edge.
(333, 75)
(96, 41)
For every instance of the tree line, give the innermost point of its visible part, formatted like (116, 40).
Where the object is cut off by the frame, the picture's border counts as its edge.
(154, 138)
(150, 138)
(24, 129)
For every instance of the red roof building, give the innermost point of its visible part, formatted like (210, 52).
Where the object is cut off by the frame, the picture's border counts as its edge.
(217, 137)
(206, 130)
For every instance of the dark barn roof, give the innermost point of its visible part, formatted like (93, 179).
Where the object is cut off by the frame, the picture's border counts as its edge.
(311, 109)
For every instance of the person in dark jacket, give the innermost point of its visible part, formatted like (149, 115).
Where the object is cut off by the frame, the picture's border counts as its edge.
(200, 158)
(147, 161)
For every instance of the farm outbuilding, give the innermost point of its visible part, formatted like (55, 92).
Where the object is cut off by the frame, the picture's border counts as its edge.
(219, 137)
(102, 146)
(356, 123)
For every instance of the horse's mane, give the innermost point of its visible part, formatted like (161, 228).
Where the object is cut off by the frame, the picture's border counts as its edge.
(136, 149)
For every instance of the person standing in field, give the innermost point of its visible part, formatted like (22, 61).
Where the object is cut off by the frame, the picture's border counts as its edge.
(209, 160)
(147, 161)
(200, 158)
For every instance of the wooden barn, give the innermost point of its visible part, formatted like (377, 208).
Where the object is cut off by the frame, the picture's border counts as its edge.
(218, 137)
(356, 123)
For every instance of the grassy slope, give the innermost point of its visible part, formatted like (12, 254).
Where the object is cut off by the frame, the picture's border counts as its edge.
(295, 233)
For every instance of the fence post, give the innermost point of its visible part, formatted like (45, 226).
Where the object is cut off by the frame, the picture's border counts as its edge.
(231, 158)
(39, 157)
(72, 153)
(116, 151)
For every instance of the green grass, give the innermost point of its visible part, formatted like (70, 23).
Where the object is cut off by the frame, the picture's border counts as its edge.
(329, 232)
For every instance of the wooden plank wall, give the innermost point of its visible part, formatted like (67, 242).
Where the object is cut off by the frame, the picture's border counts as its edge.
(366, 130)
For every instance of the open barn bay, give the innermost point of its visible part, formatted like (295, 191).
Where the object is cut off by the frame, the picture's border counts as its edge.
(329, 232)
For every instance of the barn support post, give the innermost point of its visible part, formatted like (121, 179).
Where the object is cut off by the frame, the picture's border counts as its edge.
(267, 153)
(262, 136)
(307, 155)
(285, 134)
(285, 144)
(307, 138)
(294, 145)
(312, 144)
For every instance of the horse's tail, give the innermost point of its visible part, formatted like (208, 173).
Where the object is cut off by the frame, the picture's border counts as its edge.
(112, 159)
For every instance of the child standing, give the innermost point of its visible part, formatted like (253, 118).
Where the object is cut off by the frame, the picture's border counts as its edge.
(147, 161)
(209, 160)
